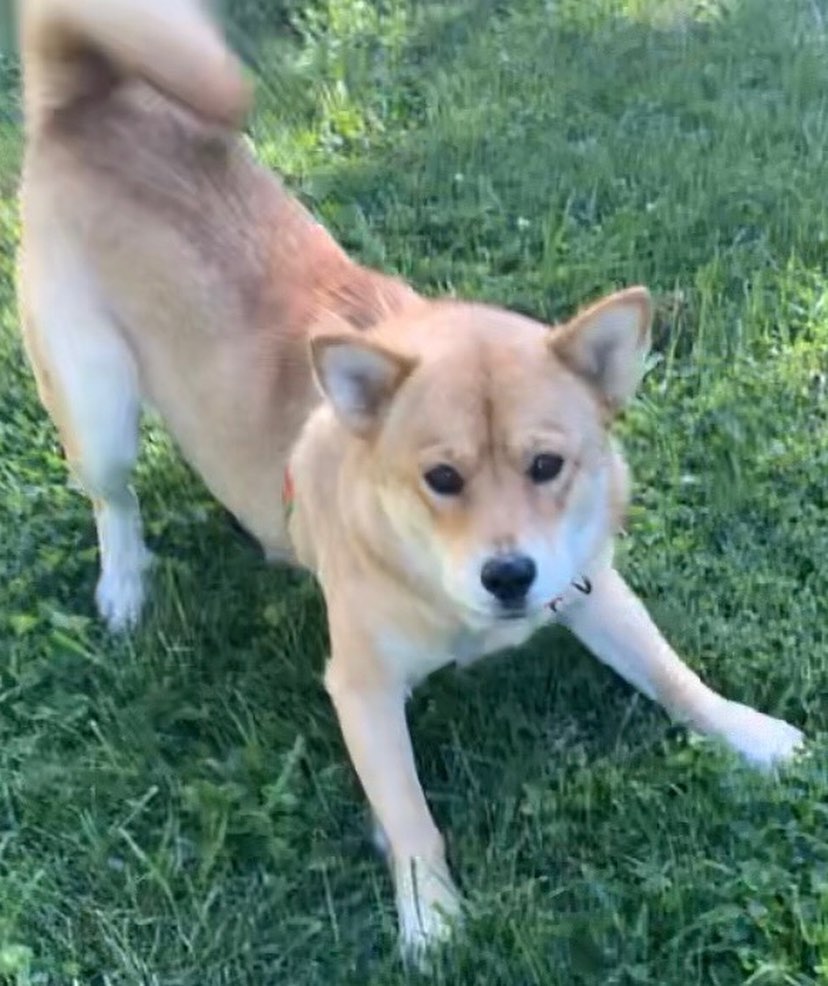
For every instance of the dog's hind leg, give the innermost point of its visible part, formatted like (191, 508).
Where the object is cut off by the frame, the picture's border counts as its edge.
(88, 381)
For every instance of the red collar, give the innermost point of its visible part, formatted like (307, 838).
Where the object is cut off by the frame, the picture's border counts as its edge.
(288, 495)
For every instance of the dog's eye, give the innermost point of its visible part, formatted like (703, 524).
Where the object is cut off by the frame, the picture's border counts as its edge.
(545, 468)
(445, 480)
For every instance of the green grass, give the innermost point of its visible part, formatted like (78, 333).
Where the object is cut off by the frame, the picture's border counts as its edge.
(178, 810)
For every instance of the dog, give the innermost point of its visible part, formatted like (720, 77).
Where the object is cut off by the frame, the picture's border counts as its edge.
(445, 469)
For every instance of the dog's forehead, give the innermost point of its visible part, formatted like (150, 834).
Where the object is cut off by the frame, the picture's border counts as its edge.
(485, 376)
(452, 325)
(470, 352)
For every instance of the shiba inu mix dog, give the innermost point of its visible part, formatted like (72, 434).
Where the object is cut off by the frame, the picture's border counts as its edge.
(450, 476)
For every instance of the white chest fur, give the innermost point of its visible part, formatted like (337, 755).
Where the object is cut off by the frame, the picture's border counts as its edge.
(415, 660)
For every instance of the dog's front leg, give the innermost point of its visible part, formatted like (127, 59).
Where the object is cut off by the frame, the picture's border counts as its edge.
(371, 711)
(616, 627)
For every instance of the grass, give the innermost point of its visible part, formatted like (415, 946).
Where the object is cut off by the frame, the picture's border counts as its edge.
(178, 809)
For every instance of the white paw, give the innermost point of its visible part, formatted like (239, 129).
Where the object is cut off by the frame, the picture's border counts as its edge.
(764, 741)
(428, 908)
(120, 593)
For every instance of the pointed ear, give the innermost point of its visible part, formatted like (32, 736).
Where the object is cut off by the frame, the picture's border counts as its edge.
(608, 342)
(358, 377)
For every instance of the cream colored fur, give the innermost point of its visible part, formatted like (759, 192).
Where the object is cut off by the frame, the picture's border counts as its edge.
(161, 265)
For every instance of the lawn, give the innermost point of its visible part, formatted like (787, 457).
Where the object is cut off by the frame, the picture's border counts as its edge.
(177, 809)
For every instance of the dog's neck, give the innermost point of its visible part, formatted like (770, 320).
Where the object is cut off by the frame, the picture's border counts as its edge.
(359, 296)
(310, 279)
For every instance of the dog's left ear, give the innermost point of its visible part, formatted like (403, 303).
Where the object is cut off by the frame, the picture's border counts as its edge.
(607, 344)
(358, 377)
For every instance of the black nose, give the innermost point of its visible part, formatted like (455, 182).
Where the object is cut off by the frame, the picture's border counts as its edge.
(508, 577)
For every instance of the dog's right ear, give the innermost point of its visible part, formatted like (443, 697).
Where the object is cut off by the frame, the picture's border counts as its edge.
(358, 377)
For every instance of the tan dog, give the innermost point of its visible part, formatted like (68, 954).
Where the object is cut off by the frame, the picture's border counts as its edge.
(455, 482)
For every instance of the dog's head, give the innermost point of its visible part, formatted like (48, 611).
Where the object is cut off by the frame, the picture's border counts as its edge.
(486, 437)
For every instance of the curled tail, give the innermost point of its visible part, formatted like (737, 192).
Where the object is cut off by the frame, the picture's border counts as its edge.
(77, 50)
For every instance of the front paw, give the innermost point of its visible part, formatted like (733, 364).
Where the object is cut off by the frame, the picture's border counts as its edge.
(762, 740)
(428, 907)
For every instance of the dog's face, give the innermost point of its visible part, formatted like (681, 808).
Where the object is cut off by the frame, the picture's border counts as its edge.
(485, 435)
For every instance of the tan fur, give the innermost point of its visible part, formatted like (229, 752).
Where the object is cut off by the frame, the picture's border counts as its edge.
(77, 52)
(160, 264)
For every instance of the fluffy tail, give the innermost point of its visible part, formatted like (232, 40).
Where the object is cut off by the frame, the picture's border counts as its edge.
(76, 50)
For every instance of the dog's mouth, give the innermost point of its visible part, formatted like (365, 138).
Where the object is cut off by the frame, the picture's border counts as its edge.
(512, 612)
(486, 617)
(527, 609)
